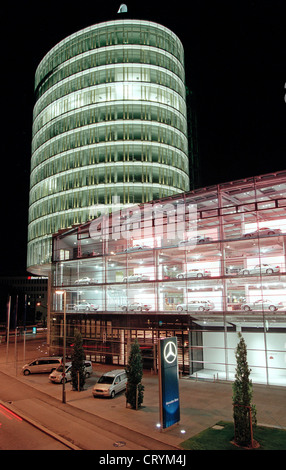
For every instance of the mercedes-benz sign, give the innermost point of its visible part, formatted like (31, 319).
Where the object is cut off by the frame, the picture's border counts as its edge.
(170, 352)
(169, 382)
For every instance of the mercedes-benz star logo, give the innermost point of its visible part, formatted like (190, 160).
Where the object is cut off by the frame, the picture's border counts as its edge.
(170, 352)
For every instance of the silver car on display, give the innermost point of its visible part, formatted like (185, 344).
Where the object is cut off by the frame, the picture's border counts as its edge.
(136, 277)
(261, 269)
(83, 307)
(136, 306)
(262, 304)
(263, 232)
(196, 240)
(194, 273)
(196, 306)
(85, 281)
(137, 247)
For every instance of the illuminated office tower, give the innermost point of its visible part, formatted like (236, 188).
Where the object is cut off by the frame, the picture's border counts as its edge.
(109, 120)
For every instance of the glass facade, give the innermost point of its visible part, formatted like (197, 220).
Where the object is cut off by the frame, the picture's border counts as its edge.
(109, 121)
(203, 266)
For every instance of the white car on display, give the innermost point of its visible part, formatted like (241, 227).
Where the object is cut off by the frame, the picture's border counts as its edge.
(262, 304)
(136, 306)
(196, 305)
(137, 248)
(260, 269)
(263, 232)
(86, 281)
(136, 277)
(196, 240)
(84, 307)
(194, 273)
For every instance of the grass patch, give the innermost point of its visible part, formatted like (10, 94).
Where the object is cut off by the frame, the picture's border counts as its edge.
(220, 439)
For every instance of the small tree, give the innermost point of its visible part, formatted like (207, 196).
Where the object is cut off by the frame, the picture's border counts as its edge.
(244, 412)
(78, 357)
(134, 370)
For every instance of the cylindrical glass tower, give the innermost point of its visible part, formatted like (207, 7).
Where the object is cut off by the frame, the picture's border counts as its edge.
(109, 120)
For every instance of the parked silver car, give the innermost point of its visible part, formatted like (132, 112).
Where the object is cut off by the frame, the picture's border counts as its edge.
(86, 281)
(261, 269)
(83, 307)
(196, 240)
(196, 305)
(136, 306)
(137, 248)
(58, 376)
(262, 305)
(110, 383)
(42, 365)
(263, 232)
(136, 277)
(194, 273)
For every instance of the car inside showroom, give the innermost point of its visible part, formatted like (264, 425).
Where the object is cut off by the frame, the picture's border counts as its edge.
(201, 265)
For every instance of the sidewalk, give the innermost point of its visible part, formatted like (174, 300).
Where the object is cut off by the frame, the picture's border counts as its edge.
(202, 404)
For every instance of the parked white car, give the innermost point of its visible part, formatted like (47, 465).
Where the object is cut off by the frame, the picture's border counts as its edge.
(194, 273)
(110, 383)
(42, 365)
(261, 269)
(83, 307)
(196, 240)
(136, 277)
(263, 232)
(138, 248)
(196, 305)
(58, 376)
(136, 306)
(262, 305)
(86, 281)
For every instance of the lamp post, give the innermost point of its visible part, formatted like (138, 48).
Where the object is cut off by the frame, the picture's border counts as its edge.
(63, 292)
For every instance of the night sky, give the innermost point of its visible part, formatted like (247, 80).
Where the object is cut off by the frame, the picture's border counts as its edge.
(235, 67)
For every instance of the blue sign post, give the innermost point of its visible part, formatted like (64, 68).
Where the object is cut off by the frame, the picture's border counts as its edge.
(169, 382)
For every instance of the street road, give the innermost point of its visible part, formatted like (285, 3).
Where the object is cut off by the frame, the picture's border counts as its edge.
(83, 429)
(100, 424)
(17, 434)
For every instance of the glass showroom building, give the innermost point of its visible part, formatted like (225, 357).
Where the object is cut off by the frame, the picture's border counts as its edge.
(109, 122)
(202, 266)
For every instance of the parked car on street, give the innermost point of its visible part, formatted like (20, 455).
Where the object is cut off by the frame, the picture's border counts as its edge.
(196, 305)
(110, 383)
(261, 269)
(42, 365)
(262, 305)
(58, 376)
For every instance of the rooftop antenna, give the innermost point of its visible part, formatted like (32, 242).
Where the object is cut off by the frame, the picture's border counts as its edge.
(122, 8)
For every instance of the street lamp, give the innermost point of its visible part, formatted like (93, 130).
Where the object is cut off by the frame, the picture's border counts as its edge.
(63, 292)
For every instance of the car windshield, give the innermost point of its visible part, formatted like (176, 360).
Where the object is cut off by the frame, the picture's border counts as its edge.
(61, 368)
(105, 380)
